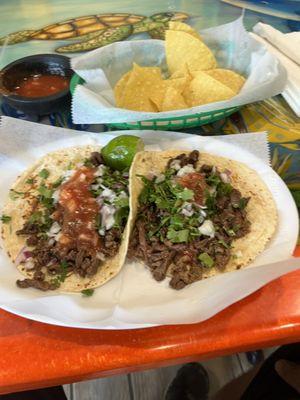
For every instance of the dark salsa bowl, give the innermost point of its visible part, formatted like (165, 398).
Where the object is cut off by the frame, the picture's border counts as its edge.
(37, 70)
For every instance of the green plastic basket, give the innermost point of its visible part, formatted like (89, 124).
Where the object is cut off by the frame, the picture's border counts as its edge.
(183, 122)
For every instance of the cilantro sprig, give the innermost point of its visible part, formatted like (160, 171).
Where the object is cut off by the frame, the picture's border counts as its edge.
(168, 197)
(87, 292)
(5, 218)
(44, 173)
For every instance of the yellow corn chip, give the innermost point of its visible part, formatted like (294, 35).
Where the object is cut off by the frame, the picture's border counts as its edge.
(181, 26)
(228, 77)
(204, 89)
(173, 100)
(182, 73)
(182, 48)
(142, 83)
(119, 88)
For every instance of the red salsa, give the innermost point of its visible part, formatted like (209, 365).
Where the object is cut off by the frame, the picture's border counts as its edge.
(79, 210)
(196, 182)
(41, 85)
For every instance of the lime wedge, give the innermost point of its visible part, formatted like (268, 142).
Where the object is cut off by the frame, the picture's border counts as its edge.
(119, 152)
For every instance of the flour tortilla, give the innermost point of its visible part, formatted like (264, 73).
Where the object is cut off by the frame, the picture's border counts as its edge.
(56, 163)
(261, 209)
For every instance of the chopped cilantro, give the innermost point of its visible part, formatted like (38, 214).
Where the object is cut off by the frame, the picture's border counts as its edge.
(213, 180)
(13, 194)
(5, 219)
(87, 292)
(70, 166)
(87, 163)
(230, 232)
(223, 243)
(224, 189)
(121, 216)
(58, 182)
(36, 217)
(236, 228)
(206, 260)
(163, 222)
(121, 202)
(210, 202)
(30, 181)
(63, 271)
(45, 192)
(44, 173)
(185, 194)
(98, 222)
(242, 203)
(181, 236)
(177, 221)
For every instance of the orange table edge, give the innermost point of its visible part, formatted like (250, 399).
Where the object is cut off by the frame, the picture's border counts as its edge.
(36, 355)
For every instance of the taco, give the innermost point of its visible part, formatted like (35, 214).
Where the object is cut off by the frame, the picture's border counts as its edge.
(197, 215)
(68, 221)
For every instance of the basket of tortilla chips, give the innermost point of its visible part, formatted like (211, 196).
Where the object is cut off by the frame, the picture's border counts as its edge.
(182, 82)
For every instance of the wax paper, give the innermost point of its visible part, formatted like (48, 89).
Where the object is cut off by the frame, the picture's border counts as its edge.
(133, 299)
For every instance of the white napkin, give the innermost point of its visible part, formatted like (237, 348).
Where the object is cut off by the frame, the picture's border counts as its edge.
(286, 47)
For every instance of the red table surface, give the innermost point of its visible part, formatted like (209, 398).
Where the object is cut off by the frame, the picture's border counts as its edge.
(36, 355)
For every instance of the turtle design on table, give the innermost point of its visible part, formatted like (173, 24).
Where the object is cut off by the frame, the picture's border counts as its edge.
(97, 30)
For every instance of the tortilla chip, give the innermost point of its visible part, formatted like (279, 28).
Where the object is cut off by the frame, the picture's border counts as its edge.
(183, 72)
(183, 48)
(141, 85)
(157, 94)
(119, 88)
(173, 100)
(204, 89)
(179, 83)
(228, 77)
(181, 26)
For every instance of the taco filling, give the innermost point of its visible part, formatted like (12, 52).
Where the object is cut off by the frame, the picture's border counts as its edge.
(187, 220)
(75, 223)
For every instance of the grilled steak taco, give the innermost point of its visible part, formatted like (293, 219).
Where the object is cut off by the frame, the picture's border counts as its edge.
(197, 215)
(68, 225)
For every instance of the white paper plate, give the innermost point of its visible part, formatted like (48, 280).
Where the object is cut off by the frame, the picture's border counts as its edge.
(142, 301)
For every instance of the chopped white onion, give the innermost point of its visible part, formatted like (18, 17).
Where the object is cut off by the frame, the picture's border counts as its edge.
(175, 164)
(203, 213)
(100, 256)
(207, 228)
(238, 254)
(225, 177)
(51, 241)
(29, 264)
(107, 216)
(187, 209)
(55, 195)
(108, 194)
(160, 178)
(82, 177)
(100, 170)
(187, 169)
(54, 229)
(101, 232)
(67, 174)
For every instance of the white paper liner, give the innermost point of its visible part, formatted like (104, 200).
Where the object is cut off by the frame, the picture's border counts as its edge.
(232, 45)
(133, 299)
